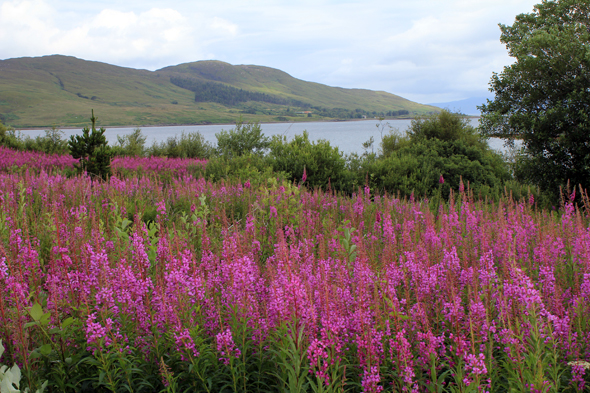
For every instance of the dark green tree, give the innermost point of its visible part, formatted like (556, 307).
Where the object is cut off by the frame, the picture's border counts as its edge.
(93, 151)
(543, 98)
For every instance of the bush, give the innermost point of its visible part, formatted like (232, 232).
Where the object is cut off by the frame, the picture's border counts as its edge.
(419, 166)
(189, 145)
(132, 145)
(50, 143)
(242, 140)
(323, 163)
(10, 138)
(393, 141)
(439, 145)
(250, 167)
(445, 126)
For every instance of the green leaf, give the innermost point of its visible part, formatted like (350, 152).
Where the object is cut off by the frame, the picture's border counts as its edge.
(45, 317)
(45, 349)
(67, 322)
(125, 223)
(36, 312)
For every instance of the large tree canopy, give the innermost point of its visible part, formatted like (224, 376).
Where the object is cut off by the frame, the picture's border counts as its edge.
(543, 98)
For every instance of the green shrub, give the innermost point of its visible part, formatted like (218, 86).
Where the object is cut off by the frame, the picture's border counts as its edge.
(444, 145)
(418, 168)
(392, 142)
(250, 167)
(445, 126)
(52, 142)
(244, 139)
(131, 144)
(188, 145)
(322, 163)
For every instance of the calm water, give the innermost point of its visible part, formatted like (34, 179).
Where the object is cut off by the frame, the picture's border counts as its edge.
(347, 135)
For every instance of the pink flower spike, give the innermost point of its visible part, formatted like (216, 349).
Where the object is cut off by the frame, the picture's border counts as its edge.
(304, 177)
(441, 180)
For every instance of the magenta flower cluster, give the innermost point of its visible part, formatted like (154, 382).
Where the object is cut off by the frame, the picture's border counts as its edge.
(465, 287)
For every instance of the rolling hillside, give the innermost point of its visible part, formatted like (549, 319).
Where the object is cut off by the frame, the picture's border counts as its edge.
(61, 90)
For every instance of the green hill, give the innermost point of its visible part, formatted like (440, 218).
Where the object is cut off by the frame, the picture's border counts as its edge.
(61, 90)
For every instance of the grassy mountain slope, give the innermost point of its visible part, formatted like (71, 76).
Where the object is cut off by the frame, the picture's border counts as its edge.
(273, 81)
(61, 90)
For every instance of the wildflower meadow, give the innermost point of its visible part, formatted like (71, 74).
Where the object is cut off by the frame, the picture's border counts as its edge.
(159, 280)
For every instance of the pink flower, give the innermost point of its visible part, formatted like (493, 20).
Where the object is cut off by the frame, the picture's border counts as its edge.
(226, 346)
(304, 177)
(371, 379)
(318, 360)
(441, 180)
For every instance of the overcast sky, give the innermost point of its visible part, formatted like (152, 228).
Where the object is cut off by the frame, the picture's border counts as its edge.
(423, 50)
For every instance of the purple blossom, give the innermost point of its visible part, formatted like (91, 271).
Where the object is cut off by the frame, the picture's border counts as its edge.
(226, 347)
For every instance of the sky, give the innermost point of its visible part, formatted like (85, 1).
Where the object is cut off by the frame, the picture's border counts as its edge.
(423, 50)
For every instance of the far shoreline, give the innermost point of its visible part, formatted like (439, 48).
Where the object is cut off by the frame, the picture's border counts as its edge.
(228, 124)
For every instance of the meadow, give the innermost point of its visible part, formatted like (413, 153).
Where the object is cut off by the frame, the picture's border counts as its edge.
(159, 280)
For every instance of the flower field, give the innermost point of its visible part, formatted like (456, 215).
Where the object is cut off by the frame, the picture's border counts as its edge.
(13, 160)
(143, 285)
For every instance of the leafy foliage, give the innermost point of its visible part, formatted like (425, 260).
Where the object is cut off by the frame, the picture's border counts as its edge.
(131, 144)
(92, 150)
(50, 143)
(321, 162)
(542, 98)
(244, 139)
(444, 126)
(187, 145)
(10, 378)
(250, 167)
(438, 145)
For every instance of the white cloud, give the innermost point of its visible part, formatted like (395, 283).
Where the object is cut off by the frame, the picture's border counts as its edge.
(426, 50)
(29, 28)
(224, 25)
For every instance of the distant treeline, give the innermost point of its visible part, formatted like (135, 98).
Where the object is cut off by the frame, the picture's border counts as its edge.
(232, 96)
(228, 95)
(342, 113)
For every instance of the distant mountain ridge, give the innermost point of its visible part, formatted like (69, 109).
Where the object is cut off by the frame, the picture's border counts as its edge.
(61, 90)
(467, 106)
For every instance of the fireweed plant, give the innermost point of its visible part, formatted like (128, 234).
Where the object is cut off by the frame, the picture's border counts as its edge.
(137, 284)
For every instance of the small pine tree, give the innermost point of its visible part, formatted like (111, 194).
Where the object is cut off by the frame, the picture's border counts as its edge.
(92, 150)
